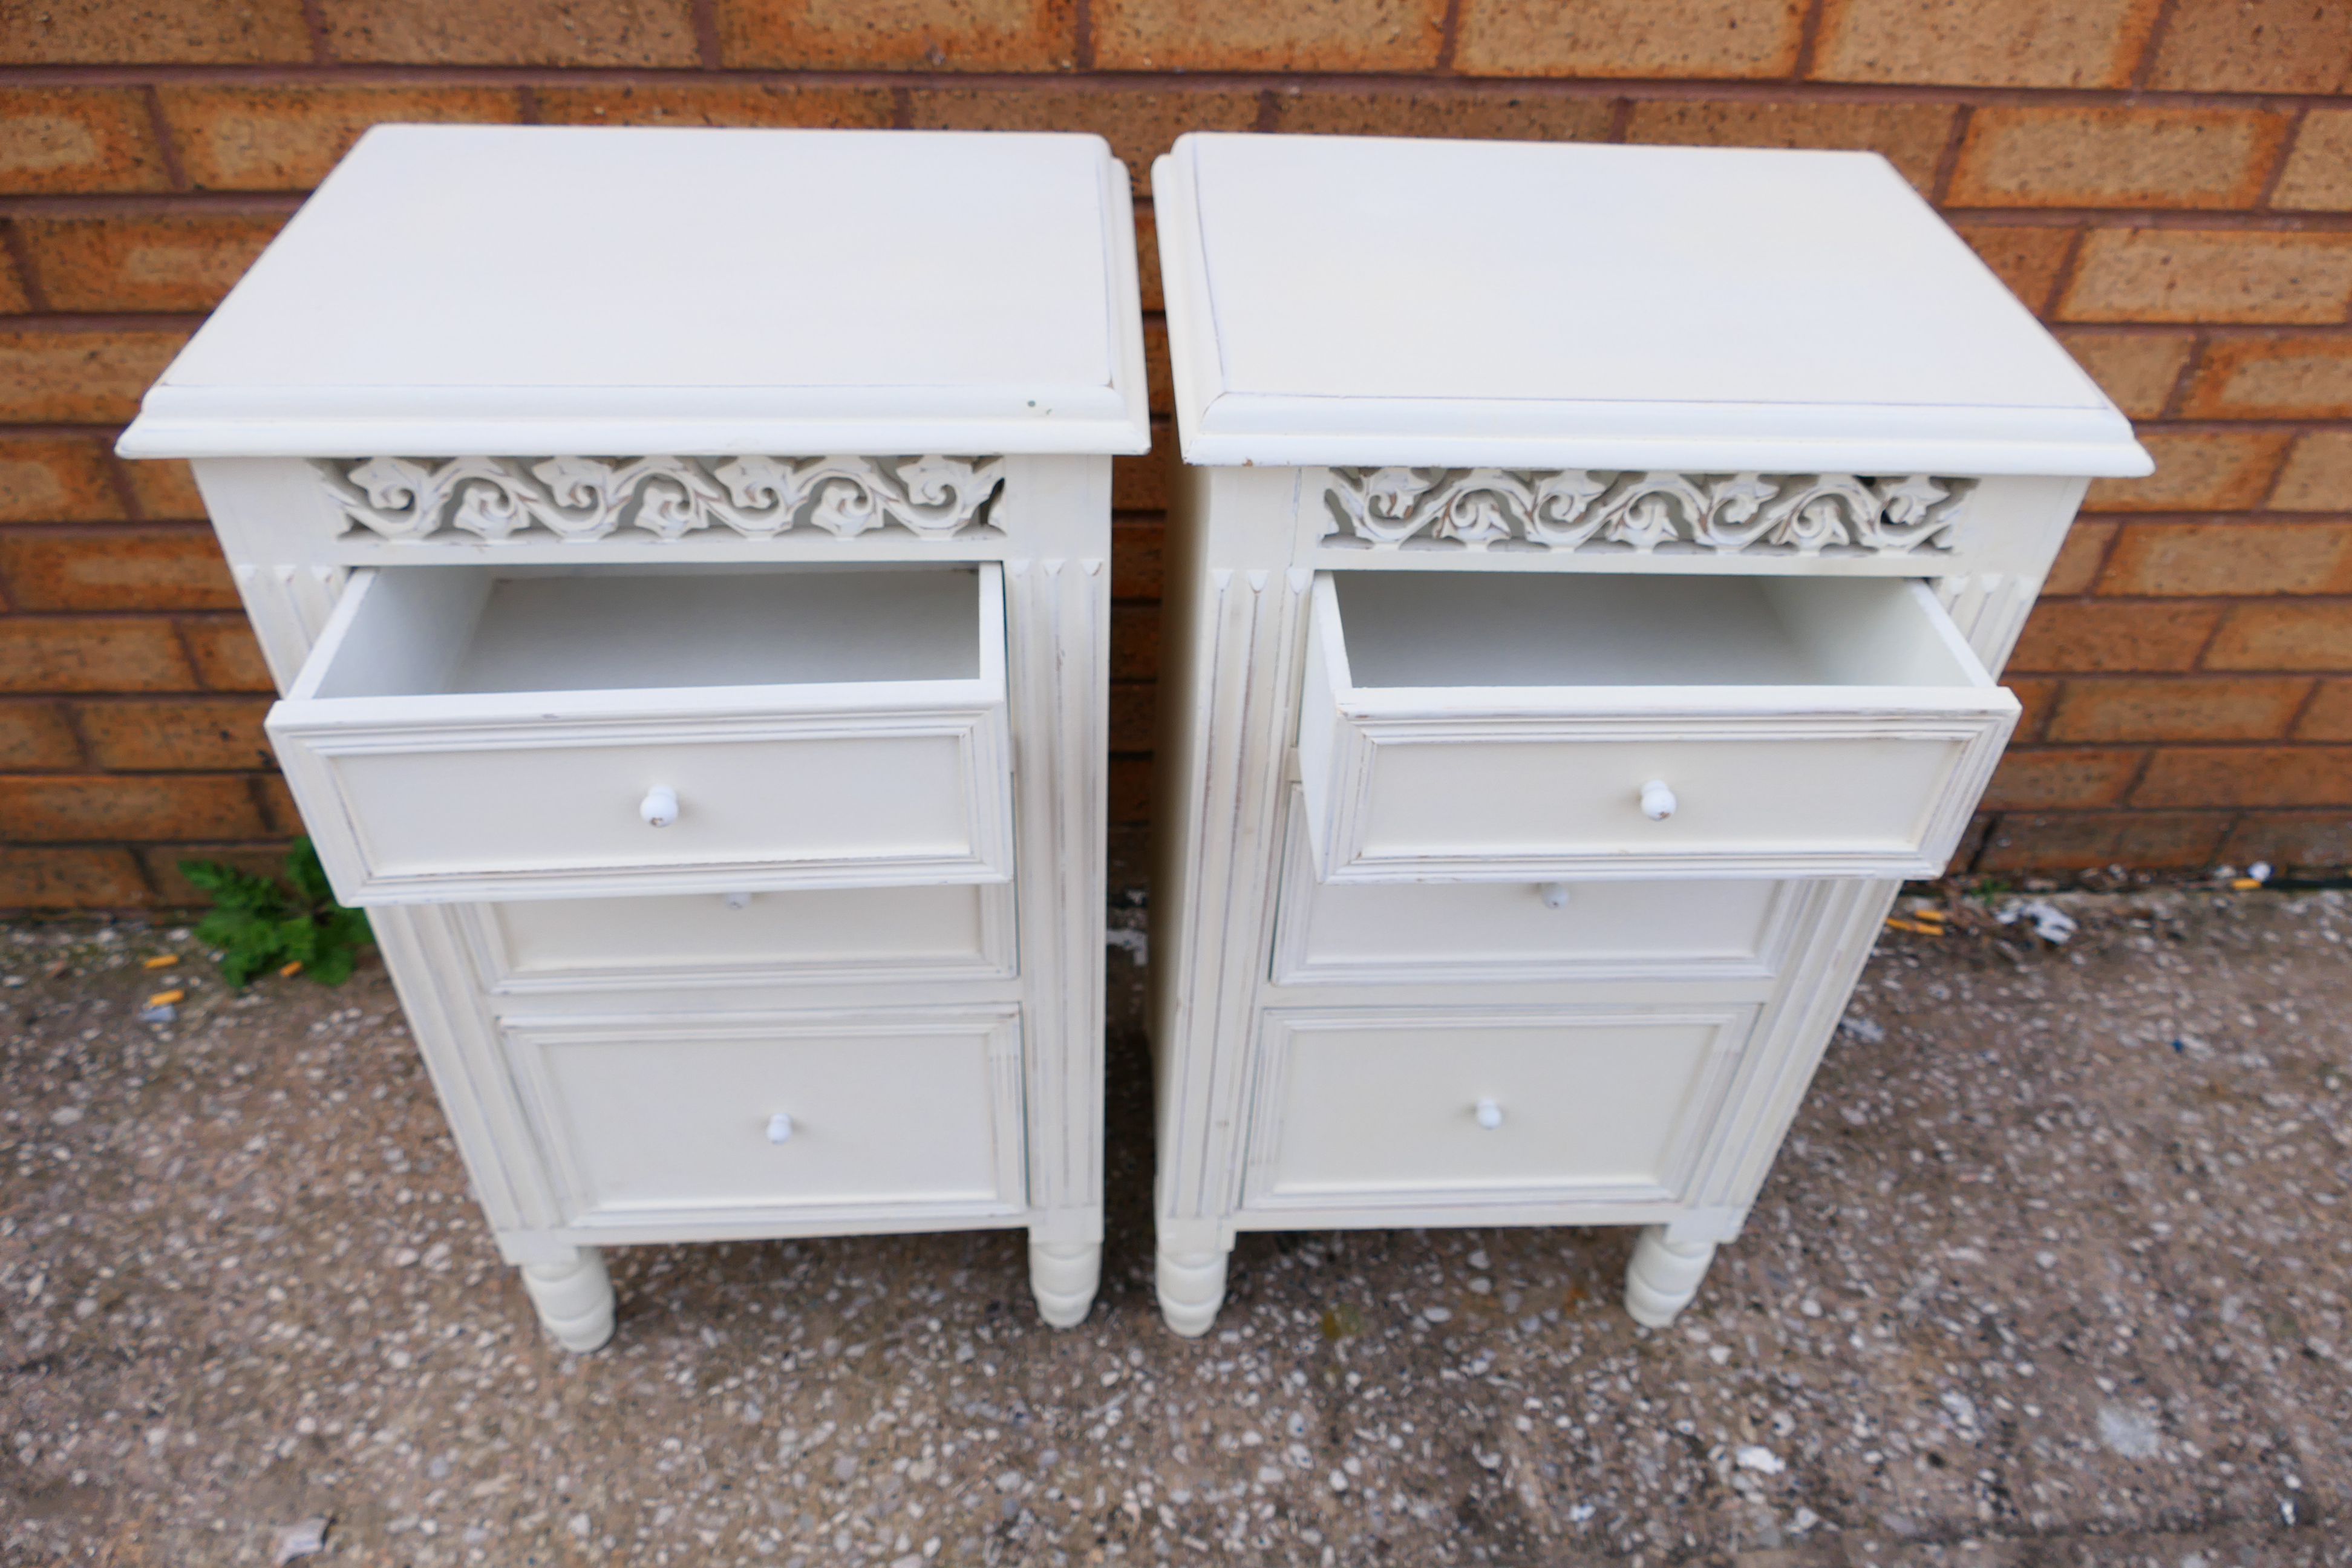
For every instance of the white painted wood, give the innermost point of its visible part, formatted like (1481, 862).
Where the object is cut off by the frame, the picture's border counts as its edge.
(1722, 475)
(462, 290)
(893, 1115)
(797, 936)
(451, 740)
(1399, 934)
(574, 1299)
(566, 569)
(1639, 726)
(1764, 309)
(1383, 1108)
(1663, 1276)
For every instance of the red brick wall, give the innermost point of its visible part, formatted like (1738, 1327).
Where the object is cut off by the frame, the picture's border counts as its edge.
(2168, 182)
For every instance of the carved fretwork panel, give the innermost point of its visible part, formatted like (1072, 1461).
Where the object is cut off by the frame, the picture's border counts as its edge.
(1642, 512)
(578, 499)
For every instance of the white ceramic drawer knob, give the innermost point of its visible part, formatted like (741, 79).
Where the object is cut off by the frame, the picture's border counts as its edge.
(1490, 1115)
(780, 1127)
(1657, 800)
(660, 805)
(1555, 894)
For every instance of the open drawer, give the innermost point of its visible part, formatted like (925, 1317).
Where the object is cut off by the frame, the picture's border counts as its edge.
(1498, 727)
(465, 732)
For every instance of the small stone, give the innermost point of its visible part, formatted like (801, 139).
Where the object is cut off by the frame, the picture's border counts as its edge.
(1762, 1460)
(1339, 1481)
(2130, 1432)
(300, 1540)
(1438, 1314)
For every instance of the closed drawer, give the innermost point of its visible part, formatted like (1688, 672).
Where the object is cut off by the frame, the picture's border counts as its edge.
(1369, 933)
(478, 733)
(810, 935)
(887, 1116)
(1373, 1108)
(1493, 727)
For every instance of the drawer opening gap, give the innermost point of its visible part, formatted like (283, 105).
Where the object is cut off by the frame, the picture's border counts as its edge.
(1411, 629)
(447, 630)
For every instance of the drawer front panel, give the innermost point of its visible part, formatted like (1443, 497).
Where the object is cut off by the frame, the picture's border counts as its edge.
(953, 932)
(1524, 781)
(1374, 1109)
(663, 1119)
(1360, 933)
(417, 794)
(791, 810)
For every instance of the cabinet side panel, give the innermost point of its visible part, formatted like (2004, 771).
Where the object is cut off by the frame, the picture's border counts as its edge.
(1058, 662)
(2019, 525)
(1231, 705)
(425, 953)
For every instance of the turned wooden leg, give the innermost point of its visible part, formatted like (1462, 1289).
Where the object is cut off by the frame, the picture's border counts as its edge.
(1192, 1287)
(1663, 1276)
(574, 1299)
(1062, 1276)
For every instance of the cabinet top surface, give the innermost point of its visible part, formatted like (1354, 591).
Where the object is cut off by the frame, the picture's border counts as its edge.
(1356, 300)
(498, 288)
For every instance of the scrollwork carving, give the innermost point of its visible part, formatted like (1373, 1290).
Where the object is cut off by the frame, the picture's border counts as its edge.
(1577, 509)
(578, 499)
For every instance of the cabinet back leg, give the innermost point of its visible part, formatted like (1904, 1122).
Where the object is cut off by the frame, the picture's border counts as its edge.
(1663, 1276)
(1063, 1277)
(1192, 1287)
(574, 1299)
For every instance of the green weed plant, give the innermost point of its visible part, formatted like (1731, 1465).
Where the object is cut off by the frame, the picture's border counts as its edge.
(259, 925)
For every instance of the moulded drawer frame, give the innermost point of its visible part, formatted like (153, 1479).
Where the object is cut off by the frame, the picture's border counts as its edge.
(668, 964)
(992, 1029)
(321, 740)
(1281, 1028)
(1345, 731)
(1296, 962)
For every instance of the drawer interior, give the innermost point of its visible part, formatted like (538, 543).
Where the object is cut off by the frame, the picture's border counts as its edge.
(445, 630)
(1421, 629)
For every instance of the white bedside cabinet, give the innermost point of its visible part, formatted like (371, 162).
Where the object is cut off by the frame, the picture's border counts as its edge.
(1587, 580)
(683, 557)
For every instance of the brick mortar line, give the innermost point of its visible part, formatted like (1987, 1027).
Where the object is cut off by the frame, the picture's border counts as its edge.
(2062, 276)
(2222, 600)
(707, 44)
(2303, 711)
(1948, 163)
(2161, 23)
(99, 771)
(2192, 364)
(167, 146)
(1752, 88)
(314, 26)
(2241, 220)
(2285, 156)
(2218, 219)
(109, 322)
(28, 277)
(2106, 556)
(138, 204)
(1449, 37)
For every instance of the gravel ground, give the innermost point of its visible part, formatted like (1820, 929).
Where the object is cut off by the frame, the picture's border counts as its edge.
(2052, 1270)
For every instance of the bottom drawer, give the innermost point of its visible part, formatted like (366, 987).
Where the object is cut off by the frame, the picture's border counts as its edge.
(794, 1118)
(1375, 1108)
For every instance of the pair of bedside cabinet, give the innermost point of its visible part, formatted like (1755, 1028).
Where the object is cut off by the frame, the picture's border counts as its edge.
(683, 558)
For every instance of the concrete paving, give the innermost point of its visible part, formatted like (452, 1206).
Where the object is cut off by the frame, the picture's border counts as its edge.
(2052, 1270)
